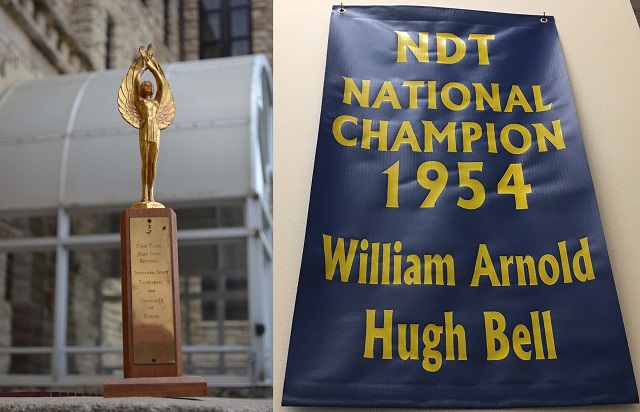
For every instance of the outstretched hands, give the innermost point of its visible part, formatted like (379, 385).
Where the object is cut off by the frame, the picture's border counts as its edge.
(148, 58)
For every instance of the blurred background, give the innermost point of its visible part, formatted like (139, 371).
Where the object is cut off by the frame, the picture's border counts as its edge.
(69, 165)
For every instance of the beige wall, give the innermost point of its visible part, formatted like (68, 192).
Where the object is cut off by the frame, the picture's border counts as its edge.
(601, 43)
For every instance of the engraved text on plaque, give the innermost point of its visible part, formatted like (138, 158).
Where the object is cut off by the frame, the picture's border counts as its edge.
(152, 291)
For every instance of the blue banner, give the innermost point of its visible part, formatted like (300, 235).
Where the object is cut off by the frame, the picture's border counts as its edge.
(454, 255)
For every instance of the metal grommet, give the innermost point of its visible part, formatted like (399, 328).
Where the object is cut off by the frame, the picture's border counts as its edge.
(544, 20)
(341, 9)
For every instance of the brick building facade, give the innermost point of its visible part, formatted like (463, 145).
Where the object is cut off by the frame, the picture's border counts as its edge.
(41, 38)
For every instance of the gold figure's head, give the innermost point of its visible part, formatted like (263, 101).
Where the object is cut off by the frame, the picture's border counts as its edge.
(146, 89)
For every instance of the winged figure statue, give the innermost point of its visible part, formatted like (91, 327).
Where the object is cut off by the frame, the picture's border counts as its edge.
(149, 114)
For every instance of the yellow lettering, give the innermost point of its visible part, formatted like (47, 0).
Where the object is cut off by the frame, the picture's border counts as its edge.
(537, 99)
(387, 94)
(506, 142)
(484, 267)
(431, 95)
(438, 262)
(432, 358)
(505, 262)
(431, 131)
(413, 92)
(384, 333)
(351, 89)
(527, 262)
(445, 96)
(406, 135)
(483, 50)
(459, 45)
(397, 263)
(497, 341)
(492, 147)
(420, 50)
(482, 96)
(517, 98)
(564, 262)
(375, 257)
(548, 334)
(583, 255)
(412, 274)
(337, 130)
(412, 352)
(364, 259)
(543, 134)
(338, 257)
(450, 332)
(542, 269)
(537, 335)
(386, 264)
(470, 132)
(368, 133)
(521, 336)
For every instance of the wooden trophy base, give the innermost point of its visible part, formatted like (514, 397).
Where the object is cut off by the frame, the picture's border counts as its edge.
(179, 386)
(152, 346)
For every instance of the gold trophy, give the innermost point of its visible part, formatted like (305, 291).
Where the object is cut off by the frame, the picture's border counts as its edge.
(150, 115)
(152, 345)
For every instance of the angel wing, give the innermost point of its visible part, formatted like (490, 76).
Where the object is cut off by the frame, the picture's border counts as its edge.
(127, 95)
(166, 106)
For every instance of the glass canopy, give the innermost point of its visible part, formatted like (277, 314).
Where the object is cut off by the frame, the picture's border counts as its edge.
(63, 142)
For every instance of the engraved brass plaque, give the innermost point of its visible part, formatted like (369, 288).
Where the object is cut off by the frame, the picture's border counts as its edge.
(151, 291)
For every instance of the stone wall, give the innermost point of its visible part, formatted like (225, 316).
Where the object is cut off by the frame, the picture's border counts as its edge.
(262, 27)
(40, 38)
(191, 35)
(133, 24)
(19, 58)
(49, 32)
